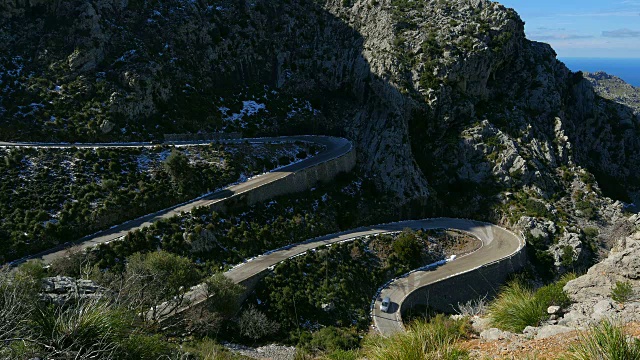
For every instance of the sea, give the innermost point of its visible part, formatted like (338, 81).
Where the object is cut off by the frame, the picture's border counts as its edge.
(626, 69)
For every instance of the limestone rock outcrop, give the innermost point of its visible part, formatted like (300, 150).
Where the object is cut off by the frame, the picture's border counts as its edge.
(592, 292)
(61, 289)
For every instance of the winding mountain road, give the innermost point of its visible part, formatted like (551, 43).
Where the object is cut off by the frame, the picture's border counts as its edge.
(333, 148)
(497, 243)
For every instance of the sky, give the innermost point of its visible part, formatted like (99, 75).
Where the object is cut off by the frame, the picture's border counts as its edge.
(586, 28)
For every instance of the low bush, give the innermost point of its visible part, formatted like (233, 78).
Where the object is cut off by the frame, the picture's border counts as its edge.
(517, 306)
(473, 307)
(537, 208)
(553, 294)
(606, 341)
(342, 355)
(85, 329)
(155, 277)
(408, 248)
(435, 339)
(145, 347)
(255, 325)
(622, 291)
(333, 340)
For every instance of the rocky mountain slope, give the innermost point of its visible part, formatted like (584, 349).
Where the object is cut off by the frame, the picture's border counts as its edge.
(592, 292)
(613, 88)
(451, 107)
(594, 299)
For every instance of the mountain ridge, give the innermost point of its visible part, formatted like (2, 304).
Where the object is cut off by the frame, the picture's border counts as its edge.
(451, 108)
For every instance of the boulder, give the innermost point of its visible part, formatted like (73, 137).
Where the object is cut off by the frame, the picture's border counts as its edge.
(480, 324)
(552, 330)
(495, 334)
(553, 310)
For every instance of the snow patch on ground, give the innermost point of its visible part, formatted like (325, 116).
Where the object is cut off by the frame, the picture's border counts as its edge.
(296, 109)
(249, 108)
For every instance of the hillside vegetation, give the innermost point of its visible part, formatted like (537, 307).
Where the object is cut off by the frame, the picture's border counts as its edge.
(452, 112)
(51, 196)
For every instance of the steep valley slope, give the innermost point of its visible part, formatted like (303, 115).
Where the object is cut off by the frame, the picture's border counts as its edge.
(452, 109)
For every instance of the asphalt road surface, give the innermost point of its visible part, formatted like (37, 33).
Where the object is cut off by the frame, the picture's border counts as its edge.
(497, 244)
(333, 148)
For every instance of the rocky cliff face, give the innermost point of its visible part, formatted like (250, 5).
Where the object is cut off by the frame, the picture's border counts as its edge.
(592, 292)
(447, 100)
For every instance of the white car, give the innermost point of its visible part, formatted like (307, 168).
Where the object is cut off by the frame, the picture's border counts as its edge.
(384, 306)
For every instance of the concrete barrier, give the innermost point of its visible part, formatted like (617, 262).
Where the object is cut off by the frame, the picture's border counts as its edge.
(483, 282)
(202, 136)
(480, 281)
(298, 181)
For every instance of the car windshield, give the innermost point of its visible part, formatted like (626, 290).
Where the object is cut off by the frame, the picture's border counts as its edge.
(385, 303)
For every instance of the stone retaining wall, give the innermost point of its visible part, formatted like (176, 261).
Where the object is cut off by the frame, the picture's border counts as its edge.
(444, 295)
(295, 182)
(202, 136)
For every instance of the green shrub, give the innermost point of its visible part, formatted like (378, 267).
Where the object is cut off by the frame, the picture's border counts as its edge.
(553, 294)
(536, 208)
(255, 325)
(540, 258)
(587, 209)
(588, 178)
(423, 340)
(87, 327)
(591, 232)
(622, 291)
(342, 355)
(33, 270)
(224, 295)
(566, 259)
(144, 346)
(517, 306)
(208, 349)
(18, 298)
(156, 277)
(407, 247)
(427, 79)
(332, 339)
(606, 341)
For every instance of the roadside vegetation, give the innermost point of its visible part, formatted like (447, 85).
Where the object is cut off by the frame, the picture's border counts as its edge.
(333, 287)
(216, 241)
(435, 339)
(51, 196)
(171, 255)
(161, 263)
(82, 329)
